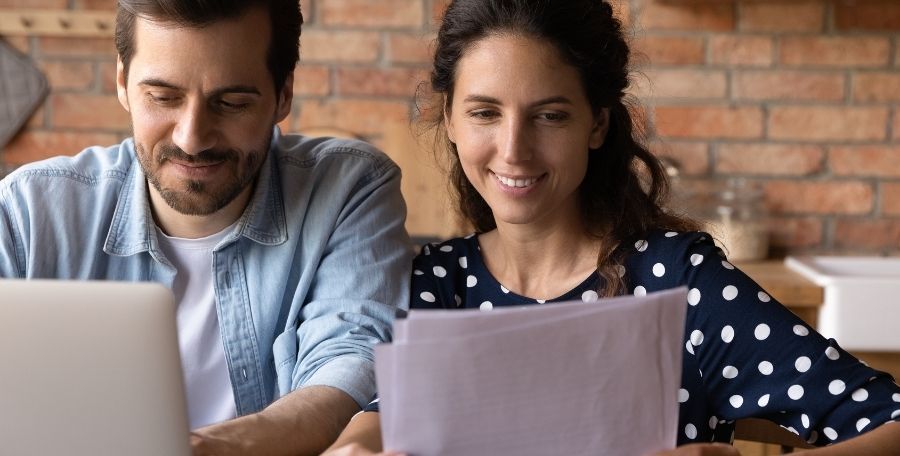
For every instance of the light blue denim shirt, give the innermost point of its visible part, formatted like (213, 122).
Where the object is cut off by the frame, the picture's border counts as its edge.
(308, 281)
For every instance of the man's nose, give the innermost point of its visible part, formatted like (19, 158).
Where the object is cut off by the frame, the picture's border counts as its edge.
(194, 130)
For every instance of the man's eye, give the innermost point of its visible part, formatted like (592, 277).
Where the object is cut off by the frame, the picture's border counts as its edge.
(233, 106)
(161, 98)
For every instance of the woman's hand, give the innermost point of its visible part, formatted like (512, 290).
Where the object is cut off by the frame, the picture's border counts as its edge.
(701, 449)
(355, 449)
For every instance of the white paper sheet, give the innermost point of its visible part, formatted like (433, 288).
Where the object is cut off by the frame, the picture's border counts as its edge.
(574, 378)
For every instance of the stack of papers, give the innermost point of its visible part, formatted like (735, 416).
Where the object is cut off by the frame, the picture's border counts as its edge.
(569, 378)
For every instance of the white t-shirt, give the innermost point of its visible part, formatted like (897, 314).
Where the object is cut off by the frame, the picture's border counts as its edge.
(208, 384)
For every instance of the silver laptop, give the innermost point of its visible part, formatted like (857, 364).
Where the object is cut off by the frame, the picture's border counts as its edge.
(90, 368)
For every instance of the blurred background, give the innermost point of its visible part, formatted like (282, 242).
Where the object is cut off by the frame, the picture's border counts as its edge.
(791, 107)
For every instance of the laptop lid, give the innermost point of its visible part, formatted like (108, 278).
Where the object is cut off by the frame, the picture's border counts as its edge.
(90, 368)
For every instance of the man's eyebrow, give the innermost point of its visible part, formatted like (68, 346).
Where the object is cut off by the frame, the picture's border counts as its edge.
(486, 99)
(154, 82)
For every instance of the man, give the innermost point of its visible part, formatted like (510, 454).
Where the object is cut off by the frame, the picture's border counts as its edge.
(287, 255)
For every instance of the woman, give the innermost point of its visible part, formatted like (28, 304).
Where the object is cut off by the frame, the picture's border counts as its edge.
(567, 205)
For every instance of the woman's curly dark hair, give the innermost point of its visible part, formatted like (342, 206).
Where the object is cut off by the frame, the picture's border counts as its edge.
(625, 188)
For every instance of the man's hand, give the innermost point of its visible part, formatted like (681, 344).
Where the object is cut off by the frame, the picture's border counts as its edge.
(701, 449)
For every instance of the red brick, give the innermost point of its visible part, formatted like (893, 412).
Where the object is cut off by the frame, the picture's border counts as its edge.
(691, 158)
(312, 80)
(670, 50)
(879, 161)
(867, 15)
(76, 47)
(55, 4)
(686, 84)
(782, 16)
(788, 85)
(38, 118)
(890, 198)
(368, 13)
(437, 10)
(812, 123)
(836, 51)
(896, 126)
(769, 159)
(396, 82)
(410, 47)
(788, 233)
(805, 197)
(101, 112)
(339, 46)
(709, 122)
(65, 75)
(622, 11)
(362, 117)
(29, 146)
(877, 87)
(107, 71)
(868, 235)
(108, 5)
(306, 10)
(706, 16)
(19, 43)
(742, 50)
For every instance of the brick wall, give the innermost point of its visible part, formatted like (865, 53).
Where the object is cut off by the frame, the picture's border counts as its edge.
(799, 96)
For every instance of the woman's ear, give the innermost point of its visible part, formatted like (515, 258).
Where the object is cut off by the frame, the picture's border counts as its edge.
(601, 127)
(448, 124)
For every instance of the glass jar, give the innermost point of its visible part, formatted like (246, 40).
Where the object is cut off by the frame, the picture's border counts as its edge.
(737, 217)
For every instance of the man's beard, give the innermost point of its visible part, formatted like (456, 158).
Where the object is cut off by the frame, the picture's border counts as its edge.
(200, 197)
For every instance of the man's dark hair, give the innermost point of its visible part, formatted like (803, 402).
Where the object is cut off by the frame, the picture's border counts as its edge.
(285, 19)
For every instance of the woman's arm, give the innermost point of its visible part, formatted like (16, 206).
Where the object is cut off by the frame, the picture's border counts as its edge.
(362, 436)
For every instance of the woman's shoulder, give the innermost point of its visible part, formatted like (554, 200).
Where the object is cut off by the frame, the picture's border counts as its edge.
(448, 253)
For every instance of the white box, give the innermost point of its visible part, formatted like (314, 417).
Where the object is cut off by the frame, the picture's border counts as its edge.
(862, 299)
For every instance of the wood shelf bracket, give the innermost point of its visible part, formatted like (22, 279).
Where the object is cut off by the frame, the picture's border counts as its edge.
(60, 23)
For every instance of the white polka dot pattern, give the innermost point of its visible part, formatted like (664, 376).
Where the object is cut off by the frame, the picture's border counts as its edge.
(727, 334)
(690, 431)
(730, 372)
(762, 331)
(730, 292)
(693, 297)
(756, 358)
(659, 270)
(836, 387)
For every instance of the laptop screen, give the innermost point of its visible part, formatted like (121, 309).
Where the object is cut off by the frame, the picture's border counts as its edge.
(90, 368)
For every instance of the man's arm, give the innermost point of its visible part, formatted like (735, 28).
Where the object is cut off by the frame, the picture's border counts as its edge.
(303, 422)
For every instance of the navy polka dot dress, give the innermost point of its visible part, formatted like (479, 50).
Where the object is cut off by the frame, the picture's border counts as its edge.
(745, 355)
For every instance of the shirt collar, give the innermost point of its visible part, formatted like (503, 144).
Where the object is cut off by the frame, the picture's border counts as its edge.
(133, 230)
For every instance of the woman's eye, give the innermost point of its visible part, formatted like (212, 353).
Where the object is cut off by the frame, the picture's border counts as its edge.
(554, 116)
(483, 114)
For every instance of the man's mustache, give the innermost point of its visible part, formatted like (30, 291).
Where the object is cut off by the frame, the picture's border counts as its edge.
(204, 157)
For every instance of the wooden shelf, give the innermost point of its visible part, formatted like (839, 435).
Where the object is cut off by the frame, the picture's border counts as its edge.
(39, 22)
